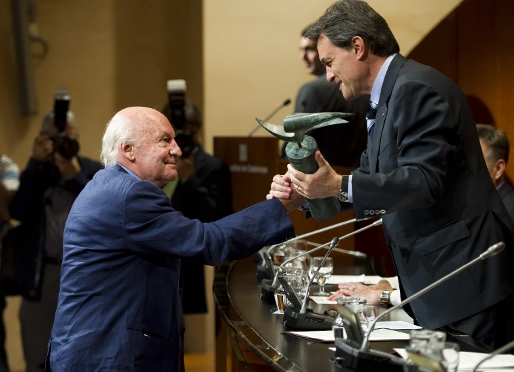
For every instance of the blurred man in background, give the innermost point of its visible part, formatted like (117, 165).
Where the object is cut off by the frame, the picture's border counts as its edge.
(495, 147)
(48, 187)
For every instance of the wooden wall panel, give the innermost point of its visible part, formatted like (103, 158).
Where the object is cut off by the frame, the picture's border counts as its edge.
(485, 55)
(474, 47)
(438, 48)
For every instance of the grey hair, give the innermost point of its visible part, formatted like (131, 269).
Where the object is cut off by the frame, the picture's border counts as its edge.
(49, 121)
(120, 129)
(497, 143)
(348, 18)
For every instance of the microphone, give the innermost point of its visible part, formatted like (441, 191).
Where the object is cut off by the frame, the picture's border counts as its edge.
(365, 359)
(284, 104)
(302, 319)
(502, 349)
(268, 286)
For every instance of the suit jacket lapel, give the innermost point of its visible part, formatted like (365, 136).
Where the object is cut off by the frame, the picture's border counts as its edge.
(389, 81)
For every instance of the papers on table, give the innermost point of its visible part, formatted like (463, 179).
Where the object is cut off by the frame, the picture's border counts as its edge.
(328, 336)
(468, 361)
(396, 324)
(322, 300)
(319, 336)
(366, 279)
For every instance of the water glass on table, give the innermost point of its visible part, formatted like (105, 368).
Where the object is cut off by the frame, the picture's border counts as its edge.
(325, 272)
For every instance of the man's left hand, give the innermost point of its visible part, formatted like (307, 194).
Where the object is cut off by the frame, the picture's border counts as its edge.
(323, 183)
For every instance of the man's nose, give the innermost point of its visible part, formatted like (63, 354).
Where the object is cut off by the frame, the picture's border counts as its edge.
(330, 76)
(175, 149)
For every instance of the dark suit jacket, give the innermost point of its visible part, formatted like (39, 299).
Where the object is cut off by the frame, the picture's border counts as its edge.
(206, 196)
(426, 176)
(340, 144)
(507, 194)
(119, 306)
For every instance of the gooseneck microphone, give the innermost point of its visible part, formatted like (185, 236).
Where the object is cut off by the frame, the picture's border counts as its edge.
(268, 286)
(491, 251)
(284, 104)
(333, 244)
(502, 349)
(301, 319)
(365, 359)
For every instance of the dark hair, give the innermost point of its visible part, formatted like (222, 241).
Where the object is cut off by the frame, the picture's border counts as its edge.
(304, 31)
(496, 141)
(348, 18)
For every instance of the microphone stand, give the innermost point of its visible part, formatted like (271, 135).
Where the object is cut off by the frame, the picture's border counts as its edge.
(494, 249)
(268, 286)
(284, 104)
(300, 319)
(365, 359)
(505, 347)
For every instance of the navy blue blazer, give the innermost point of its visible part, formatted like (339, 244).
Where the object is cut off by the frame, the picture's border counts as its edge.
(426, 176)
(119, 305)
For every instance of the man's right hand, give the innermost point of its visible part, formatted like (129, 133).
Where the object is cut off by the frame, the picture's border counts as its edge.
(42, 148)
(282, 189)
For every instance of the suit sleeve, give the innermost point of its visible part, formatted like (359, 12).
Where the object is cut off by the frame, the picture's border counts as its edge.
(151, 226)
(417, 144)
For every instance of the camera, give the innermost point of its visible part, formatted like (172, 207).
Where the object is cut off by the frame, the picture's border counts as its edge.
(65, 144)
(176, 101)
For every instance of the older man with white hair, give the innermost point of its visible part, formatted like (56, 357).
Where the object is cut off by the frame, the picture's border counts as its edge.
(119, 306)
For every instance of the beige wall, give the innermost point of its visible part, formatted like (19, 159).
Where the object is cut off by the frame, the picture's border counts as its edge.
(251, 54)
(239, 58)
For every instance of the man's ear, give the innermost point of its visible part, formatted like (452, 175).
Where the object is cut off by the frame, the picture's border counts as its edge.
(127, 151)
(359, 47)
(499, 170)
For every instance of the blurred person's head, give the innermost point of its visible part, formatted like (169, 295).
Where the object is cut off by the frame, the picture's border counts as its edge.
(495, 147)
(193, 120)
(309, 55)
(51, 129)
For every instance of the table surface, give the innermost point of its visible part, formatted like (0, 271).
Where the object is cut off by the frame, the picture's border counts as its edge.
(237, 294)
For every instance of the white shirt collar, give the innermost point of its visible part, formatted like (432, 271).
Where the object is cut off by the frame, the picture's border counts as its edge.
(379, 81)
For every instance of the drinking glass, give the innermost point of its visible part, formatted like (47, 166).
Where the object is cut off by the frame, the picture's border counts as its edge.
(428, 349)
(366, 316)
(325, 271)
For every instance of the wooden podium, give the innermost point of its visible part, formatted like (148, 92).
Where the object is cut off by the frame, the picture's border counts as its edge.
(253, 161)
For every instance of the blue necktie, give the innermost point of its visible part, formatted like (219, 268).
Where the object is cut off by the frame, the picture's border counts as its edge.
(371, 114)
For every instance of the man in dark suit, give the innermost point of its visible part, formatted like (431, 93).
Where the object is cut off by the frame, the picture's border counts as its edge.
(119, 306)
(422, 172)
(340, 144)
(495, 146)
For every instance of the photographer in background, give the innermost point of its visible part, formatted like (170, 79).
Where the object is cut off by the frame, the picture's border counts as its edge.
(202, 192)
(9, 182)
(48, 187)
